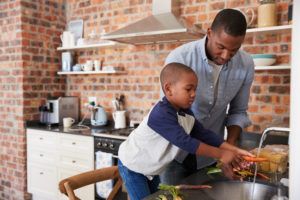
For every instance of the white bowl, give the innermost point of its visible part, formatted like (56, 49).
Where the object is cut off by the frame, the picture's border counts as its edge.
(264, 59)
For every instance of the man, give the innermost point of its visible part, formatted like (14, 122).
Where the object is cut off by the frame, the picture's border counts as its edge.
(225, 74)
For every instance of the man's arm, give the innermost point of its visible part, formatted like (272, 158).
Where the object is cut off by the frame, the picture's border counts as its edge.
(237, 118)
(233, 133)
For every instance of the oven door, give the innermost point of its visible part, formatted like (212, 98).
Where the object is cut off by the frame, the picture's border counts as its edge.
(106, 151)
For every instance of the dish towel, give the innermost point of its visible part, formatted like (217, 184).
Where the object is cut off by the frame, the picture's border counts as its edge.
(103, 160)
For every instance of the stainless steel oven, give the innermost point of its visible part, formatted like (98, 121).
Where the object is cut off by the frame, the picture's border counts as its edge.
(108, 141)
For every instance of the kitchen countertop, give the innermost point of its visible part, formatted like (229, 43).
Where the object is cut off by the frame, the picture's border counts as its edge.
(247, 140)
(92, 131)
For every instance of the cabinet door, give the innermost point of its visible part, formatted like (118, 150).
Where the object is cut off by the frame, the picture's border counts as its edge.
(42, 181)
(84, 193)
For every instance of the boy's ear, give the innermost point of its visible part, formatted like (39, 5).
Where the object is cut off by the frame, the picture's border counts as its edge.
(167, 89)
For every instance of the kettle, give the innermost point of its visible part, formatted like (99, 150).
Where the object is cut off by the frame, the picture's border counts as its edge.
(98, 116)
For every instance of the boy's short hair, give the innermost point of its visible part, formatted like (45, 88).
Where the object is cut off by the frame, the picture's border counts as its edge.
(232, 21)
(171, 73)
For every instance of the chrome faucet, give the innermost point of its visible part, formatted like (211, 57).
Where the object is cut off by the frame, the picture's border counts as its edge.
(278, 129)
(279, 195)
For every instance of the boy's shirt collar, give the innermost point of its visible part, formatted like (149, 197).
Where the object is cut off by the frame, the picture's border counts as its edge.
(180, 112)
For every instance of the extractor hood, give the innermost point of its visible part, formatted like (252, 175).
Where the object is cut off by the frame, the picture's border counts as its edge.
(164, 26)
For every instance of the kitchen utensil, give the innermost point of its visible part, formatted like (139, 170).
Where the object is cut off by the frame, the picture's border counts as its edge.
(120, 119)
(68, 39)
(66, 61)
(68, 121)
(249, 19)
(264, 59)
(97, 65)
(98, 116)
(88, 66)
(267, 14)
(76, 68)
(115, 104)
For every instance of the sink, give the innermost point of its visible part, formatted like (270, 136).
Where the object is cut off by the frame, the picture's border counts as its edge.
(233, 190)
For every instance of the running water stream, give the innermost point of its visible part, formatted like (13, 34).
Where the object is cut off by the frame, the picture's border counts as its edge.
(262, 139)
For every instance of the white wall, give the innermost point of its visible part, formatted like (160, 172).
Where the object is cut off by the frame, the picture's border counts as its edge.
(294, 189)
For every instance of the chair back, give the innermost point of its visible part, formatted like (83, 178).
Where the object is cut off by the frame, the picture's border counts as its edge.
(68, 185)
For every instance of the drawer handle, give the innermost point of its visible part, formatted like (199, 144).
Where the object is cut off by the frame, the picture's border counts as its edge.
(41, 138)
(73, 143)
(41, 173)
(73, 161)
(41, 155)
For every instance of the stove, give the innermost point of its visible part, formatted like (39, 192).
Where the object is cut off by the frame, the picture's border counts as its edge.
(109, 140)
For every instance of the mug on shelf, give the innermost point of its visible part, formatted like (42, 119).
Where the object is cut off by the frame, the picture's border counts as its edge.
(88, 66)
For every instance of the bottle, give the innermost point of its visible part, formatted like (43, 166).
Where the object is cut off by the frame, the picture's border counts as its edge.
(267, 13)
(290, 12)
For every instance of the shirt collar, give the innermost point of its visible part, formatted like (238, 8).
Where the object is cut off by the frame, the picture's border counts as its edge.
(165, 101)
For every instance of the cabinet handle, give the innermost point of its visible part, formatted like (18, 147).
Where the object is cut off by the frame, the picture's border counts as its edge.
(41, 138)
(41, 173)
(73, 143)
(73, 161)
(41, 155)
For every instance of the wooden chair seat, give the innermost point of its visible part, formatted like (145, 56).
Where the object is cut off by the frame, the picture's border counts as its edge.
(68, 185)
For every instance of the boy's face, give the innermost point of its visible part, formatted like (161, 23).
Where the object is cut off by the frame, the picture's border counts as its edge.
(182, 93)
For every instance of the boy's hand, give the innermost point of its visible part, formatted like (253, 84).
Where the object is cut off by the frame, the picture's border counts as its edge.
(238, 162)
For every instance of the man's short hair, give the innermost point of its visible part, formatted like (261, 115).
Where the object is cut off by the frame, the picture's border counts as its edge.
(172, 72)
(232, 21)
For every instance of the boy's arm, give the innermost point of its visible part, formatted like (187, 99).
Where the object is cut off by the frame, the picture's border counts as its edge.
(222, 155)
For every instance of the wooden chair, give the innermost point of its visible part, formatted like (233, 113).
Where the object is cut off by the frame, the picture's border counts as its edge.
(68, 185)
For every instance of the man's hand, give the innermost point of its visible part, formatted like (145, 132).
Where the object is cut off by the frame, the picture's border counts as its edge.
(228, 172)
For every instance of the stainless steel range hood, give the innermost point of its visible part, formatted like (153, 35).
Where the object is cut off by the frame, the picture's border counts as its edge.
(164, 26)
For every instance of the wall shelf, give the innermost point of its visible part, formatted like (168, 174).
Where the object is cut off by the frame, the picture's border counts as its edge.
(92, 72)
(271, 29)
(90, 46)
(272, 67)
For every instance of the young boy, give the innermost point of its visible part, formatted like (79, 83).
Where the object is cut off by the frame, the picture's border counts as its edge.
(169, 127)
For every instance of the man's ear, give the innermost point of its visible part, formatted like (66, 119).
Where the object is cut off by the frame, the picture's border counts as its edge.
(167, 89)
(209, 33)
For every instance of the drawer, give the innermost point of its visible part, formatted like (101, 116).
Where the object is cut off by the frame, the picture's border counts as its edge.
(42, 180)
(40, 138)
(83, 163)
(41, 156)
(75, 143)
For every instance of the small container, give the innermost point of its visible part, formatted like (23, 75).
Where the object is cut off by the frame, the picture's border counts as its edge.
(267, 14)
(290, 13)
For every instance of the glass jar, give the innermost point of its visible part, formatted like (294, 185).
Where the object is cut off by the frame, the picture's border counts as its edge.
(267, 13)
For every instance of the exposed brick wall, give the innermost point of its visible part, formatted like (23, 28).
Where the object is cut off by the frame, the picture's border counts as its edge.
(28, 64)
(142, 64)
(29, 61)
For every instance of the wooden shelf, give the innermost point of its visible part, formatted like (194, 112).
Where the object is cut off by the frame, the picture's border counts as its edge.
(271, 29)
(272, 67)
(89, 46)
(92, 72)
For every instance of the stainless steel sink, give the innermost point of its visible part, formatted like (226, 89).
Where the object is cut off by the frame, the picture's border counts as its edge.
(234, 190)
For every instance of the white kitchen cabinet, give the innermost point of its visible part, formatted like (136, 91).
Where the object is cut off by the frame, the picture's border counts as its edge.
(53, 156)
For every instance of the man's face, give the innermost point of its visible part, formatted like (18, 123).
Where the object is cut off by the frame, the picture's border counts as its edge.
(221, 47)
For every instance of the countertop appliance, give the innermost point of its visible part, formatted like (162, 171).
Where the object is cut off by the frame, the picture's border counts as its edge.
(98, 116)
(60, 107)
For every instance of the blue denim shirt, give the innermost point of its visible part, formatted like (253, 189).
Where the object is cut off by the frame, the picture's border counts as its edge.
(235, 80)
